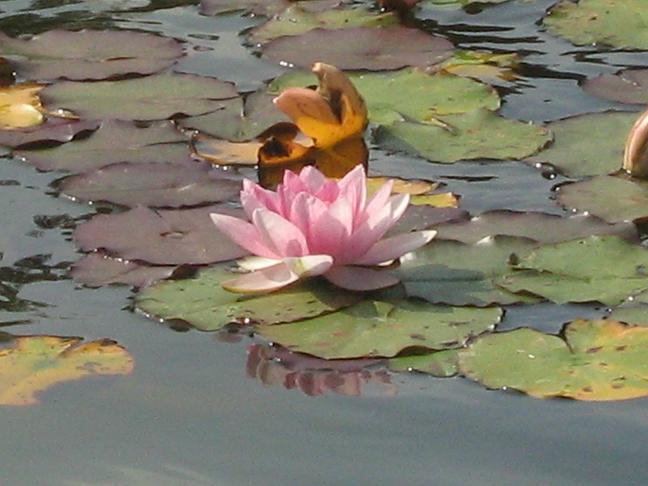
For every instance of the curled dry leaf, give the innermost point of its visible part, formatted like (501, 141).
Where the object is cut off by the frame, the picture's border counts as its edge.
(20, 106)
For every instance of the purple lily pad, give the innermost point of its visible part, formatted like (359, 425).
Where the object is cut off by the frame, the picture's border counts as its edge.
(156, 97)
(153, 185)
(164, 237)
(541, 227)
(370, 48)
(53, 130)
(89, 54)
(261, 7)
(97, 270)
(115, 141)
(630, 86)
(417, 218)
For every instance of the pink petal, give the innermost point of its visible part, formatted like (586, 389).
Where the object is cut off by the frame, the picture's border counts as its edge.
(312, 178)
(279, 235)
(243, 234)
(353, 188)
(380, 198)
(310, 265)
(254, 196)
(253, 263)
(329, 192)
(304, 211)
(359, 278)
(262, 281)
(332, 229)
(373, 229)
(395, 247)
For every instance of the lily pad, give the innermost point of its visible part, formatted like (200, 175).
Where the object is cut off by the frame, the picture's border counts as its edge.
(114, 141)
(479, 134)
(372, 329)
(618, 24)
(577, 154)
(487, 67)
(261, 7)
(296, 20)
(152, 185)
(238, 119)
(151, 98)
(222, 152)
(613, 199)
(53, 130)
(30, 365)
(370, 48)
(630, 86)
(605, 269)
(89, 54)
(442, 364)
(408, 94)
(631, 314)
(204, 304)
(420, 217)
(97, 270)
(455, 273)
(541, 227)
(164, 237)
(596, 361)
(20, 106)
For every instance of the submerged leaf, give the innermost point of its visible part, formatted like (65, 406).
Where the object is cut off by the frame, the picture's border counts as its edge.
(203, 303)
(629, 86)
(372, 329)
(596, 361)
(32, 364)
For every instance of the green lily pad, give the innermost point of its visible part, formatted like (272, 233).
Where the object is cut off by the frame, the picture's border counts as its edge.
(296, 20)
(261, 7)
(541, 227)
(606, 269)
(442, 364)
(455, 273)
(630, 86)
(408, 94)
(114, 141)
(632, 314)
(204, 304)
(596, 361)
(479, 134)
(151, 98)
(621, 23)
(576, 153)
(372, 328)
(238, 119)
(613, 199)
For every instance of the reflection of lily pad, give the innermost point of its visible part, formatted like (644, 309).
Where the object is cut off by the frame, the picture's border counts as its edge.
(295, 20)
(630, 86)
(576, 153)
(382, 329)
(204, 304)
(151, 98)
(618, 24)
(97, 270)
(613, 199)
(596, 361)
(115, 141)
(442, 364)
(479, 134)
(164, 237)
(32, 364)
(89, 54)
(152, 185)
(371, 48)
(454, 273)
(238, 120)
(605, 269)
(545, 228)
(409, 93)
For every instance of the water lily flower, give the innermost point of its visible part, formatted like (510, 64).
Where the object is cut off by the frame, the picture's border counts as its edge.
(314, 226)
(635, 157)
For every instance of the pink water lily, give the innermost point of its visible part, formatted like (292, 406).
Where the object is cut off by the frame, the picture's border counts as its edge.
(314, 226)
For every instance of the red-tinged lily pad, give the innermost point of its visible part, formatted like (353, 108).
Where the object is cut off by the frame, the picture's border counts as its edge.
(541, 227)
(590, 360)
(97, 270)
(614, 199)
(115, 141)
(154, 97)
(630, 86)
(53, 130)
(420, 217)
(238, 119)
(373, 49)
(261, 7)
(152, 185)
(89, 54)
(164, 237)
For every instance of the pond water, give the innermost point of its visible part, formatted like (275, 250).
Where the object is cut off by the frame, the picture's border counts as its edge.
(199, 410)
